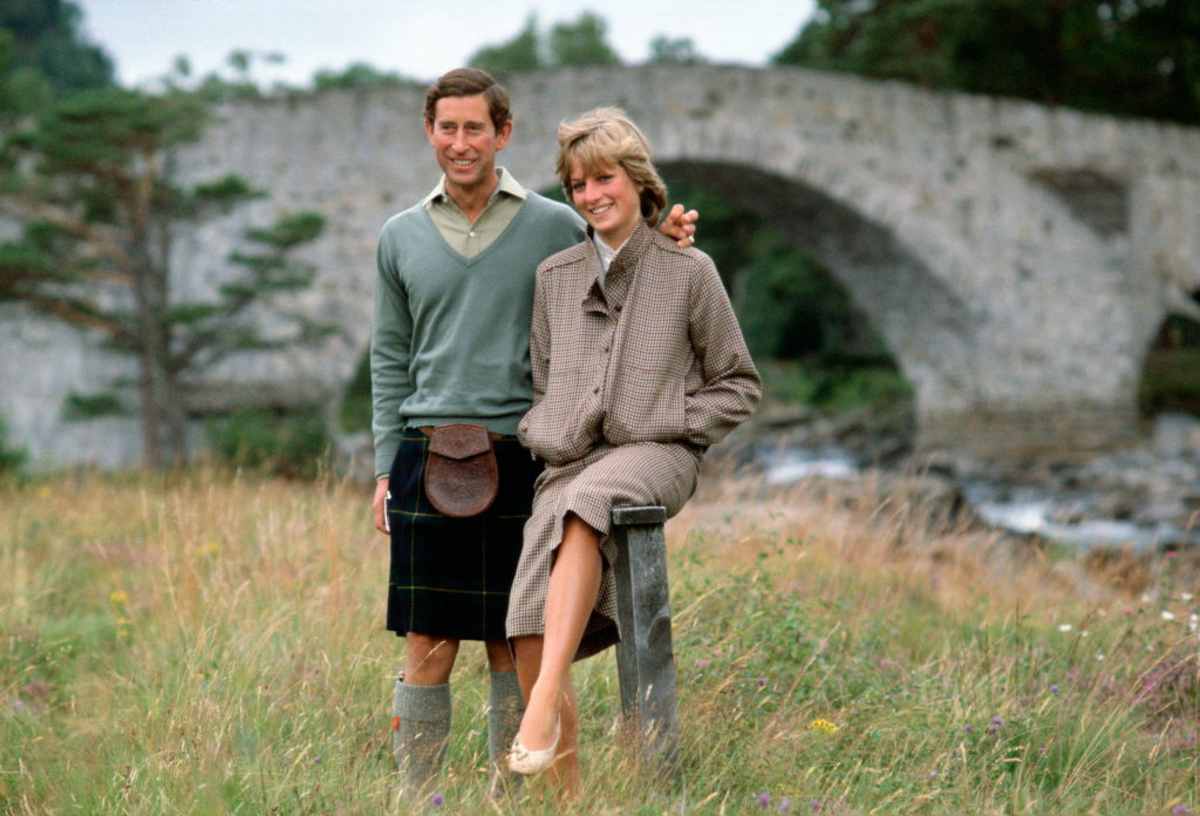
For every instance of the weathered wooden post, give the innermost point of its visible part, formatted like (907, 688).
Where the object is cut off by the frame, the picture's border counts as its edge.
(645, 658)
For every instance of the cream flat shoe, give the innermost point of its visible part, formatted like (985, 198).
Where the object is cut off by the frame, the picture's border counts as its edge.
(526, 762)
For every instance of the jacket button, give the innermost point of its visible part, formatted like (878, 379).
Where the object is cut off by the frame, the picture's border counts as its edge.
(596, 390)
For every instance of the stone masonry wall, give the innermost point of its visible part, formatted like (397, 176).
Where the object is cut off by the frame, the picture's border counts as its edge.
(983, 236)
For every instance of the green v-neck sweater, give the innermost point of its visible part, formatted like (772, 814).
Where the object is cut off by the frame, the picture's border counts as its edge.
(450, 342)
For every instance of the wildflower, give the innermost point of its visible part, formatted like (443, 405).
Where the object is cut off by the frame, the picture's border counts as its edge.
(118, 598)
(1100, 656)
(815, 805)
(702, 663)
(438, 800)
(996, 724)
(785, 805)
(1185, 596)
(1065, 627)
(762, 682)
(1193, 622)
(824, 726)
(1181, 810)
(1168, 616)
(968, 729)
(1054, 688)
(764, 800)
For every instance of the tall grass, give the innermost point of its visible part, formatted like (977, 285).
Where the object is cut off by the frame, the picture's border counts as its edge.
(214, 644)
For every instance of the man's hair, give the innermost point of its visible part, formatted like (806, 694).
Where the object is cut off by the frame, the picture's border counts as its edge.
(605, 137)
(469, 82)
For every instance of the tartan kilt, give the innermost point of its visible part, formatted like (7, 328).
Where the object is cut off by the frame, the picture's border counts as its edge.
(451, 577)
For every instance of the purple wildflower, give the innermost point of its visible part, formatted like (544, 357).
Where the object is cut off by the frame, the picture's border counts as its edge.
(702, 663)
(815, 805)
(764, 800)
(996, 724)
(968, 729)
(1054, 688)
(785, 805)
(762, 682)
(1181, 810)
(438, 800)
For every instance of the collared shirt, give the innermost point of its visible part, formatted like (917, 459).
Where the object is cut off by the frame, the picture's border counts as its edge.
(607, 254)
(450, 341)
(469, 239)
(656, 355)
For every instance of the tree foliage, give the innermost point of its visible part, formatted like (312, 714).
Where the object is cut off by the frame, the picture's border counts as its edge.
(45, 37)
(581, 42)
(89, 181)
(666, 50)
(521, 53)
(577, 43)
(1130, 57)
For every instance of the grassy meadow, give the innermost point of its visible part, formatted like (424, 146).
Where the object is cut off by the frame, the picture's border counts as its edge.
(214, 644)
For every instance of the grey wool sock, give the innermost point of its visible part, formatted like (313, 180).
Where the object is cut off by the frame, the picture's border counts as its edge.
(505, 707)
(420, 731)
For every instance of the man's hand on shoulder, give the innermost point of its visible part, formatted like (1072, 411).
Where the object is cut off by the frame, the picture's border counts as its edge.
(379, 505)
(680, 225)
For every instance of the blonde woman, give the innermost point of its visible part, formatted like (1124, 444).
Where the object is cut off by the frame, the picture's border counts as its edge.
(639, 365)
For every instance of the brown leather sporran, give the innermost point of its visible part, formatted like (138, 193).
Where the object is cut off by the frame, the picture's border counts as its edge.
(461, 474)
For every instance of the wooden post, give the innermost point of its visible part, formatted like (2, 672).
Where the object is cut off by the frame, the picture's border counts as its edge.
(645, 658)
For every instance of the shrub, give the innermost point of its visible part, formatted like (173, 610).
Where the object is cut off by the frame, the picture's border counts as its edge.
(292, 443)
(12, 459)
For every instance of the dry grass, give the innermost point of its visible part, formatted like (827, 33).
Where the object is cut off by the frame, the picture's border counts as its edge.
(214, 644)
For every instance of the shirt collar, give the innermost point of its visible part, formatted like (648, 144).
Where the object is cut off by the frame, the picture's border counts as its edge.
(508, 185)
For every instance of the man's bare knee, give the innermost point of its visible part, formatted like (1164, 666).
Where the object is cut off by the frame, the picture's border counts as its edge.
(430, 659)
(499, 655)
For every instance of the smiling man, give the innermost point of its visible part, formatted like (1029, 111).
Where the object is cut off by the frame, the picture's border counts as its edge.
(450, 347)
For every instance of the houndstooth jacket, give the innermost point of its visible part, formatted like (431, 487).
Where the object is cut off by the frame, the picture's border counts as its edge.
(655, 354)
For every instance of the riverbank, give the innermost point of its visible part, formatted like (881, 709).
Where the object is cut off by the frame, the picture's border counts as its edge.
(1143, 495)
(214, 644)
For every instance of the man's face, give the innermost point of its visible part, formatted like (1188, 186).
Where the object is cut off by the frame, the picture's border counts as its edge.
(465, 141)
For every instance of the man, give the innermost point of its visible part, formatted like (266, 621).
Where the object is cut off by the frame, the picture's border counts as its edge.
(450, 345)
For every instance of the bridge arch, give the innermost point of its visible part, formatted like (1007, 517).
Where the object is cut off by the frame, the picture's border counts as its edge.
(1017, 259)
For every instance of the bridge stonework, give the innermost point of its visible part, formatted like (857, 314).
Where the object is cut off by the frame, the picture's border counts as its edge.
(1017, 259)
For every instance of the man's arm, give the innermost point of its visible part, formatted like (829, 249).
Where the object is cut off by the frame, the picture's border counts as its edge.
(680, 225)
(391, 346)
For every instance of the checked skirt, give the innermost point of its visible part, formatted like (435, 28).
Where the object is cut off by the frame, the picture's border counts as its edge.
(451, 577)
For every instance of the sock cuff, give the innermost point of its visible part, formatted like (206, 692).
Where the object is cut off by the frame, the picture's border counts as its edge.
(421, 703)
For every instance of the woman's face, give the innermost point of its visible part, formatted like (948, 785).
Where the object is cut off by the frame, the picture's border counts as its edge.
(608, 200)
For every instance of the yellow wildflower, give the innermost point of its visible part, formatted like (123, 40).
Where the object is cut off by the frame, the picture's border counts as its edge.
(824, 726)
(118, 598)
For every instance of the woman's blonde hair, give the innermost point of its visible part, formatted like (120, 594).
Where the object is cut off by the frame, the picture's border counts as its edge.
(606, 137)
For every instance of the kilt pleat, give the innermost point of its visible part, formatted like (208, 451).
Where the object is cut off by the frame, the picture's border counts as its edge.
(452, 577)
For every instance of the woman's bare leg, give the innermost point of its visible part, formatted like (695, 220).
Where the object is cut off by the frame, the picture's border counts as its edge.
(574, 585)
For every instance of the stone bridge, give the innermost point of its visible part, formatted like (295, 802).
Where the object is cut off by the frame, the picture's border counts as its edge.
(1017, 259)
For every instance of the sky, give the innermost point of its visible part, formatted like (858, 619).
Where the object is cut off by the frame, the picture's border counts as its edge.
(417, 39)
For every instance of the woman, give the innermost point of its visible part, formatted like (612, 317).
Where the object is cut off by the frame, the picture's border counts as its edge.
(638, 366)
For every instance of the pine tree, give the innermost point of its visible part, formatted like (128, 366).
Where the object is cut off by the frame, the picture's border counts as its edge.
(89, 182)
